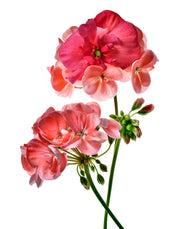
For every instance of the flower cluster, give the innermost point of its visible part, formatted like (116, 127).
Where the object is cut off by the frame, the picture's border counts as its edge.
(130, 127)
(100, 52)
(77, 126)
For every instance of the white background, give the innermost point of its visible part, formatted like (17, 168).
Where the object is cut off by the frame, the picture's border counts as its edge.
(146, 191)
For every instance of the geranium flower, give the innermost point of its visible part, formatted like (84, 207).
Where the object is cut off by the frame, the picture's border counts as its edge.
(101, 84)
(88, 140)
(53, 128)
(58, 80)
(42, 162)
(106, 39)
(140, 71)
(111, 127)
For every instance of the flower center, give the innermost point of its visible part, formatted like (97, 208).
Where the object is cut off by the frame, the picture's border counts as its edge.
(97, 53)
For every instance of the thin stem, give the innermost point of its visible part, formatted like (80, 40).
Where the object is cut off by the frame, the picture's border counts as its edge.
(116, 149)
(105, 151)
(74, 156)
(88, 175)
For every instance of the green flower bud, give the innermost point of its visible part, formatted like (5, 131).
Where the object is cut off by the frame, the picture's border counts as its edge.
(92, 168)
(98, 161)
(82, 173)
(103, 168)
(84, 183)
(100, 179)
(129, 127)
(135, 122)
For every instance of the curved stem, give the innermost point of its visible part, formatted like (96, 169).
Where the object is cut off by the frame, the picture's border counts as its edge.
(116, 149)
(88, 175)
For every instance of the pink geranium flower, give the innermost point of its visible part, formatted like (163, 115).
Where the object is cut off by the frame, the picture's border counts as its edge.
(42, 162)
(101, 84)
(88, 140)
(140, 71)
(111, 127)
(106, 39)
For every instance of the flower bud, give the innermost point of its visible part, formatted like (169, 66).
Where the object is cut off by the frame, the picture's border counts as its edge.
(92, 168)
(84, 183)
(135, 122)
(98, 161)
(100, 179)
(147, 109)
(103, 168)
(137, 104)
(129, 127)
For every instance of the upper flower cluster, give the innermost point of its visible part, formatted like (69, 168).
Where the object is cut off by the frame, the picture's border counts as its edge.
(100, 52)
(77, 126)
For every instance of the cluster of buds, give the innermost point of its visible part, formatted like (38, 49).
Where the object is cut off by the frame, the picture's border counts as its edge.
(91, 160)
(130, 127)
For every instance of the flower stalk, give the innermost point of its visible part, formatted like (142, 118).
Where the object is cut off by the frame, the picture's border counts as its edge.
(116, 149)
(91, 183)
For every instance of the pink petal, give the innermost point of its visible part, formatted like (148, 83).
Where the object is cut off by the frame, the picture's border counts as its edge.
(91, 79)
(113, 72)
(141, 81)
(75, 119)
(89, 147)
(97, 85)
(91, 144)
(69, 32)
(111, 127)
(95, 107)
(148, 59)
(106, 90)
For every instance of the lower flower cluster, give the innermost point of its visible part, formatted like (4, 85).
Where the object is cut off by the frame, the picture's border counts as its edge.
(56, 133)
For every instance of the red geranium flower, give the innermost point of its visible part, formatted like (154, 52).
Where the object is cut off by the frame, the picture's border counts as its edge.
(106, 39)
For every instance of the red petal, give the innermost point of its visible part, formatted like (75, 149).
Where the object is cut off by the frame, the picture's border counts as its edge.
(128, 50)
(51, 126)
(88, 30)
(108, 19)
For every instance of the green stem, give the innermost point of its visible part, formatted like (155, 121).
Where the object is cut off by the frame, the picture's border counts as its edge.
(116, 149)
(88, 175)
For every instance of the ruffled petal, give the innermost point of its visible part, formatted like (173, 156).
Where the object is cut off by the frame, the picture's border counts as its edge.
(111, 127)
(71, 52)
(69, 32)
(108, 19)
(129, 49)
(50, 127)
(88, 30)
